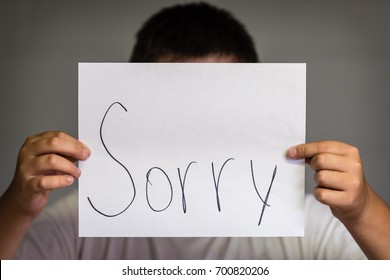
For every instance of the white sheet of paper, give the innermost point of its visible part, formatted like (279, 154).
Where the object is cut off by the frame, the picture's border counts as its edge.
(227, 125)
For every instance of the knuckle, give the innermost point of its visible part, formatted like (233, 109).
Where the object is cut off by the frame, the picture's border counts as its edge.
(59, 134)
(39, 183)
(29, 139)
(357, 166)
(25, 148)
(44, 183)
(51, 160)
(353, 151)
(355, 184)
(320, 178)
(23, 152)
(320, 195)
(53, 142)
(320, 160)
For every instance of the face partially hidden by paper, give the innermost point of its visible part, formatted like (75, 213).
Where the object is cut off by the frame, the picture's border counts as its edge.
(211, 58)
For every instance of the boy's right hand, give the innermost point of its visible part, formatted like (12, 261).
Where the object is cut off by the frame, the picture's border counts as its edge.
(46, 162)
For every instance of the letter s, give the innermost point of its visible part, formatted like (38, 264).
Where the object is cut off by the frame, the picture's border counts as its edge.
(117, 161)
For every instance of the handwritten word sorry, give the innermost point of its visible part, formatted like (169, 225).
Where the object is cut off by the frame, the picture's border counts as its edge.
(216, 175)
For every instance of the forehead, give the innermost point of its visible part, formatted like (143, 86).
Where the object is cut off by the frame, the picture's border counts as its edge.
(211, 58)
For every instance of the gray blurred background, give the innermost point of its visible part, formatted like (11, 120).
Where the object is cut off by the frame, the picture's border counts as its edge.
(345, 44)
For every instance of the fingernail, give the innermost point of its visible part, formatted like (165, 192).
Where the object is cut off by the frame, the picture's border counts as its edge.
(85, 152)
(69, 179)
(292, 152)
(78, 172)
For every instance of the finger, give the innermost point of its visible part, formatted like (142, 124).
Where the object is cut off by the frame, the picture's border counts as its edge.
(50, 134)
(48, 183)
(328, 196)
(327, 161)
(331, 179)
(309, 150)
(68, 147)
(54, 164)
(334, 199)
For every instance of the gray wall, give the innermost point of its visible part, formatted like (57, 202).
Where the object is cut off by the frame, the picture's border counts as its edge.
(345, 44)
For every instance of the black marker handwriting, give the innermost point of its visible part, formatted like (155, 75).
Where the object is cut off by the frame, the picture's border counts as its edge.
(117, 161)
(216, 182)
(268, 192)
(182, 181)
(149, 183)
(182, 184)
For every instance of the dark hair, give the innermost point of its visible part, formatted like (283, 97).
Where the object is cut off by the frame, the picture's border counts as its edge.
(192, 31)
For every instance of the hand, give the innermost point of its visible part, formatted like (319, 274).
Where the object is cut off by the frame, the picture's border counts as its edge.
(46, 162)
(338, 174)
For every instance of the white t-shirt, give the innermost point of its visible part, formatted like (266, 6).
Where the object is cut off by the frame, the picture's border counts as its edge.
(54, 235)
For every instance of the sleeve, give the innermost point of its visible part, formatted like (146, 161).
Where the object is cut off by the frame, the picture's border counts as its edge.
(53, 235)
(326, 237)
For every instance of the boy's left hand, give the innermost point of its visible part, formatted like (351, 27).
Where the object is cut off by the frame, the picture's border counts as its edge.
(338, 174)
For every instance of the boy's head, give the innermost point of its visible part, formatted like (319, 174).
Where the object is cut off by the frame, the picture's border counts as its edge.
(193, 32)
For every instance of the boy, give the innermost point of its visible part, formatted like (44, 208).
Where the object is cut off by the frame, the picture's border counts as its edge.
(191, 33)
